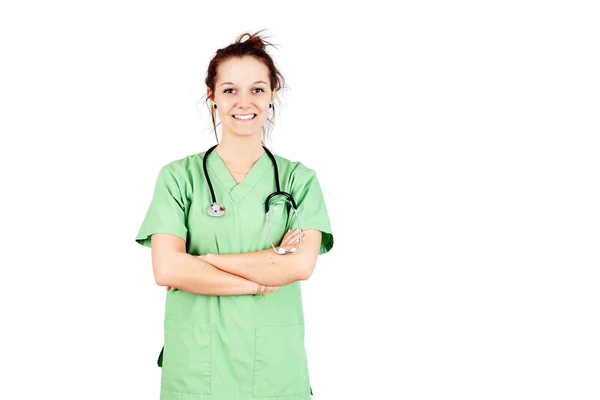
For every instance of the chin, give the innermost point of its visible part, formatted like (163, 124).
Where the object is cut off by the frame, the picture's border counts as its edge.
(236, 131)
(239, 132)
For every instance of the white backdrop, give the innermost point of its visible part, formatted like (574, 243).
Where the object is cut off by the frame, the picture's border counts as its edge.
(456, 144)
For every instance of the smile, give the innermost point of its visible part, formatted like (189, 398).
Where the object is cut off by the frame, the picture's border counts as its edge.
(246, 117)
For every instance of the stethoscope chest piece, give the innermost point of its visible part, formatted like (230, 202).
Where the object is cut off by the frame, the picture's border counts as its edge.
(215, 210)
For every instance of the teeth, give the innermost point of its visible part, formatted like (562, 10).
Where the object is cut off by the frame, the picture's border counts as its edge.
(244, 117)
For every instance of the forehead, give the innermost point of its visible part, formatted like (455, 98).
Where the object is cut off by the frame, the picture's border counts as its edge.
(242, 71)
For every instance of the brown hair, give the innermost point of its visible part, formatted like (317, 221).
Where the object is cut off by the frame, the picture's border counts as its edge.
(255, 47)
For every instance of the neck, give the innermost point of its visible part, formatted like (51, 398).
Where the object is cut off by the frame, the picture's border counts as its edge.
(240, 151)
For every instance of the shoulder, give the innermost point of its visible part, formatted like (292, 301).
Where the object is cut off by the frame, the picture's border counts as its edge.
(180, 168)
(295, 170)
(296, 176)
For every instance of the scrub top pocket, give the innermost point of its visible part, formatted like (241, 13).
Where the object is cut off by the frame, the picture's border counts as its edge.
(280, 364)
(187, 358)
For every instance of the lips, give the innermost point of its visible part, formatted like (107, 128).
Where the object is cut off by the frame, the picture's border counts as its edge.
(244, 117)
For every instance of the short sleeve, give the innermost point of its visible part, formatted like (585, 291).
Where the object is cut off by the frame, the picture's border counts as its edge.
(166, 213)
(312, 211)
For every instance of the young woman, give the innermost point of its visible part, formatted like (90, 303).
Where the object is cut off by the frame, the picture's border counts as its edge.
(234, 324)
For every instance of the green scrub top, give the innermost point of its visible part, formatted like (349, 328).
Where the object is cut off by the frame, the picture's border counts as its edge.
(234, 347)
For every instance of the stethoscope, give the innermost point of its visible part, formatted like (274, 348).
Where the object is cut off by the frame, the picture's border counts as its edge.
(217, 210)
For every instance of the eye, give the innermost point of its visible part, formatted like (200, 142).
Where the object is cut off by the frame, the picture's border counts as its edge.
(261, 89)
(226, 90)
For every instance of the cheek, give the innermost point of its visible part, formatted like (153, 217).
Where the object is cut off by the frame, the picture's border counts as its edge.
(225, 103)
(264, 115)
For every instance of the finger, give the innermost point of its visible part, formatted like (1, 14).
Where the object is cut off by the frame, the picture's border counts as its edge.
(291, 236)
(285, 239)
(292, 242)
(288, 240)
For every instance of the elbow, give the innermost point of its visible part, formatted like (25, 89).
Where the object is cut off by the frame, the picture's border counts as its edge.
(161, 270)
(304, 275)
(305, 270)
(160, 277)
(167, 252)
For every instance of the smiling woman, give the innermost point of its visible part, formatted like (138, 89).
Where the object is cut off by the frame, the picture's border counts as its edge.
(243, 103)
(223, 339)
(231, 80)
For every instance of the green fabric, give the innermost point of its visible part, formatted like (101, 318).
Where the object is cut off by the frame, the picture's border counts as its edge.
(234, 347)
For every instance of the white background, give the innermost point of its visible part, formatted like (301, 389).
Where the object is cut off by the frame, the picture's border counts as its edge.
(456, 144)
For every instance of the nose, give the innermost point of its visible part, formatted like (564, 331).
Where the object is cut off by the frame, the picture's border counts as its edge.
(243, 100)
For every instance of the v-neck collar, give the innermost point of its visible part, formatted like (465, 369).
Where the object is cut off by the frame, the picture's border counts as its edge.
(237, 191)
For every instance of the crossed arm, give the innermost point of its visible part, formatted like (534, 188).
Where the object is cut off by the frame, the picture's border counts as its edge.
(230, 274)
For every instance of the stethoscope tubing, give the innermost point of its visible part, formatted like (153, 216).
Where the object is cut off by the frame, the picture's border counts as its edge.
(278, 192)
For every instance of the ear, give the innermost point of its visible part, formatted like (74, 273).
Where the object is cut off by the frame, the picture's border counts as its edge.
(210, 95)
(273, 95)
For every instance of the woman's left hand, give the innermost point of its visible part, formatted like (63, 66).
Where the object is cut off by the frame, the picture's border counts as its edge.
(290, 239)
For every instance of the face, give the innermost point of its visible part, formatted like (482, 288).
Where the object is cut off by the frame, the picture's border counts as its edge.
(242, 95)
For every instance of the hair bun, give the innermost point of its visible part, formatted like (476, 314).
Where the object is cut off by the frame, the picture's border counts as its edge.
(254, 40)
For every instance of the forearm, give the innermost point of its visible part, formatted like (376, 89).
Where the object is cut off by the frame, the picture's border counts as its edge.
(264, 266)
(191, 274)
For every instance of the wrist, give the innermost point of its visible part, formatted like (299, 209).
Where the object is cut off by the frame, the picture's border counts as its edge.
(254, 288)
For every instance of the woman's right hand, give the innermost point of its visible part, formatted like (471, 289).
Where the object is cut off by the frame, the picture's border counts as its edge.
(271, 289)
(264, 289)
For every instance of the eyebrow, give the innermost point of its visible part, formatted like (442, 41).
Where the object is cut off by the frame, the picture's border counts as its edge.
(231, 83)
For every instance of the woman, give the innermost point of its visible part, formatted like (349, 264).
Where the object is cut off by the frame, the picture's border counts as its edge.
(234, 324)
